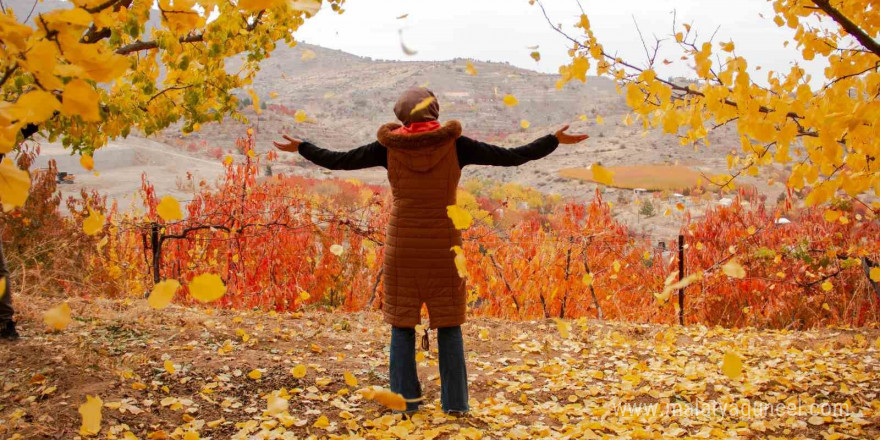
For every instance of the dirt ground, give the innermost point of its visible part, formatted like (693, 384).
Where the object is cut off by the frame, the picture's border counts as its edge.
(526, 379)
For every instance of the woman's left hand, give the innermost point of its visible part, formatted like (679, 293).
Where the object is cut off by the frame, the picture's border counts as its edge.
(565, 138)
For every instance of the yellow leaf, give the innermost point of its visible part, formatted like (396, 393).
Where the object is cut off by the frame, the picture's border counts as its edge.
(583, 117)
(831, 215)
(460, 261)
(93, 223)
(733, 269)
(87, 162)
(510, 101)
(827, 286)
(14, 184)
(470, 69)
(169, 209)
(35, 106)
(350, 380)
(602, 175)
(169, 366)
(299, 371)
(732, 365)
(336, 249)
(599, 120)
(299, 116)
(875, 274)
(385, 397)
(461, 218)
(423, 104)
(307, 54)
(207, 287)
(58, 317)
(826, 307)
(80, 99)
(616, 266)
(304, 296)
(535, 56)
(322, 422)
(162, 294)
(276, 403)
(255, 374)
(588, 279)
(2, 287)
(679, 37)
(564, 328)
(91, 416)
(524, 124)
(727, 47)
(420, 356)
(256, 101)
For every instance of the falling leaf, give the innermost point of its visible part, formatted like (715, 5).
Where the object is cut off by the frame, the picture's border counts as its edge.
(14, 184)
(535, 56)
(299, 116)
(169, 366)
(276, 403)
(80, 99)
(732, 365)
(87, 162)
(733, 269)
(385, 397)
(91, 416)
(94, 223)
(256, 101)
(564, 328)
(169, 209)
(470, 69)
(350, 380)
(58, 317)
(163, 293)
(255, 374)
(588, 279)
(299, 371)
(460, 261)
(307, 54)
(423, 104)
(336, 249)
(402, 16)
(406, 50)
(510, 101)
(207, 287)
(461, 218)
(524, 124)
(602, 175)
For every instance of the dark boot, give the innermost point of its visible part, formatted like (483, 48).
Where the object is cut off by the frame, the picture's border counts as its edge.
(7, 331)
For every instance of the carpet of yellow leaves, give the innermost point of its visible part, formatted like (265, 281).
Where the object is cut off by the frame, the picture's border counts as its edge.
(189, 373)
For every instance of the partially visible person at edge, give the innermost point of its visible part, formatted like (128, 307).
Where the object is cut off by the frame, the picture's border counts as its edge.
(424, 159)
(7, 325)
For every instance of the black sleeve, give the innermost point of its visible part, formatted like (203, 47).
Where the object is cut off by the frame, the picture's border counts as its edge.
(471, 152)
(370, 155)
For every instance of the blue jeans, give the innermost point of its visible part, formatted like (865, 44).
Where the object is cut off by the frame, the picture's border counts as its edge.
(453, 373)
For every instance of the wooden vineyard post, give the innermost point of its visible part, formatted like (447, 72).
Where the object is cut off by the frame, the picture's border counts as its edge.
(156, 245)
(681, 277)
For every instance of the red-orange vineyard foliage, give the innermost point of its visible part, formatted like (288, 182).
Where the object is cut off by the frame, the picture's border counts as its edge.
(528, 256)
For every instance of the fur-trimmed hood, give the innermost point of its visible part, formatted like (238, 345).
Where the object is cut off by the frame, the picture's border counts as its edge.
(420, 151)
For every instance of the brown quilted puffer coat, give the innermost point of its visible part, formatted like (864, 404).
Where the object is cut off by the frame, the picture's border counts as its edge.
(419, 268)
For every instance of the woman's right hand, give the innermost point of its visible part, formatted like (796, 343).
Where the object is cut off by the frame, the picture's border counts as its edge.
(291, 146)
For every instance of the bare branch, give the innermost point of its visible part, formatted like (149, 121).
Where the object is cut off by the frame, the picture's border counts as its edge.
(850, 27)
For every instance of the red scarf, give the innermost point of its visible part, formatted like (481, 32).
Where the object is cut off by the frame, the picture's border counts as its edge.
(418, 127)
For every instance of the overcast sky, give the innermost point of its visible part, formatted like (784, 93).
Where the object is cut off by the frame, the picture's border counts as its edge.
(502, 30)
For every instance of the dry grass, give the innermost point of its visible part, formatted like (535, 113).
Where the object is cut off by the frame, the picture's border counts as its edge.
(650, 177)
